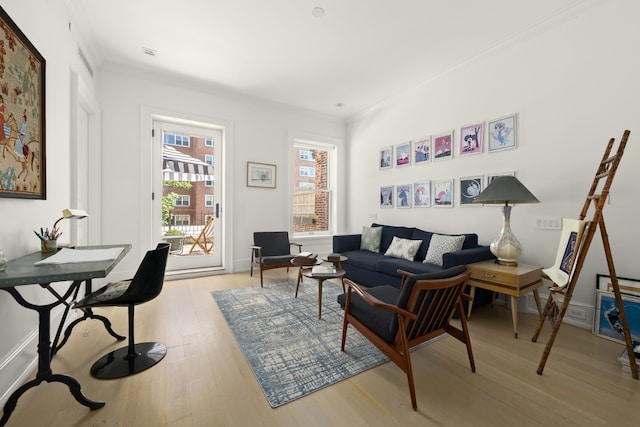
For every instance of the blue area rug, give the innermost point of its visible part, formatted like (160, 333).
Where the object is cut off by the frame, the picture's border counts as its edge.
(291, 352)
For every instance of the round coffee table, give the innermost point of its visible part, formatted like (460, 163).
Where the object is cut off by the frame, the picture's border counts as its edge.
(305, 262)
(321, 277)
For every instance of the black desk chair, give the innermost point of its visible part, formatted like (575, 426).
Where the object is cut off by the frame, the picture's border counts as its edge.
(145, 286)
(396, 320)
(271, 249)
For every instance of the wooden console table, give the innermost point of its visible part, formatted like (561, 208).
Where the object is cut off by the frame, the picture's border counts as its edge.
(509, 280)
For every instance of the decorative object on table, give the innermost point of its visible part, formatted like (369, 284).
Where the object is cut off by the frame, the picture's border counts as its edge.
(333, 257)
(70, 214)
(471, 141)
(22, 122)
(319, 270)
(49, 238)
(501, 133)
(261, 175)
(3, 262)
(508, 190)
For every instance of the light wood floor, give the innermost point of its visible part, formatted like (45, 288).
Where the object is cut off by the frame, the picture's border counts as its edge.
(205, 381)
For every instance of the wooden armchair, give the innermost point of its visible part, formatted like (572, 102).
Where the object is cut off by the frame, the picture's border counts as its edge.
(271, 249)
(395, 320)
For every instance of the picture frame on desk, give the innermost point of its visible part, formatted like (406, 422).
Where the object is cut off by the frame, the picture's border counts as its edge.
(607, 322)
(22, 104)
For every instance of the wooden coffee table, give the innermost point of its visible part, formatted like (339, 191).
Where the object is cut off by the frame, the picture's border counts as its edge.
(307, 272)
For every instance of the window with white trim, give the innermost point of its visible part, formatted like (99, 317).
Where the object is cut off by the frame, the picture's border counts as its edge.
(208, 200)
(183, 200)
(175, 139)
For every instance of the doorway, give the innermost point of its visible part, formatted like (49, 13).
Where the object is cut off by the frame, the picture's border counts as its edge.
(188, 181)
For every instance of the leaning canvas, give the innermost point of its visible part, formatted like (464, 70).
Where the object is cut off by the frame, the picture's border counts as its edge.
(570, 239)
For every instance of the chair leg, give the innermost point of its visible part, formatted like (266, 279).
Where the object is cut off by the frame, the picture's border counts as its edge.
(467, 339)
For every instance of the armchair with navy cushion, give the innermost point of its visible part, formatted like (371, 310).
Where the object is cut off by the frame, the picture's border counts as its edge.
(271, 249)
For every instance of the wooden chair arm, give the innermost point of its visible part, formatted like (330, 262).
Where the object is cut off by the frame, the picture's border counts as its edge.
(299, 245)
(375, 302)
(404, 275)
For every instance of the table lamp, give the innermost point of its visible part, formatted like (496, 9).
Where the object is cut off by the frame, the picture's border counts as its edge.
(507, 190)
(70, 214)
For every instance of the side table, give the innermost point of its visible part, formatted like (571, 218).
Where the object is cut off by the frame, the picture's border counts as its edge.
(509, 280)
(308, 272)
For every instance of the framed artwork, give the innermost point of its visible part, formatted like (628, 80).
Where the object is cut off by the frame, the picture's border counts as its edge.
(422, 150)
(443, 193)
(471, 139)
(22, 114)
(386, 196)
(261, 175)
(607, 322)
(469, 188)
(403, 154)
(403, 196)
(385, 156)
(493, 176)
(626, 285)
(443, 146)
(501, 133)
(422, 194)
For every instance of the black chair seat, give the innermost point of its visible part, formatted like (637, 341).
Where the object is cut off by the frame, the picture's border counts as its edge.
(271, 249)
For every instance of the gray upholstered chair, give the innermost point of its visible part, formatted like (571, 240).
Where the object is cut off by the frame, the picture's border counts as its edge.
(271, 249)
(395, 320)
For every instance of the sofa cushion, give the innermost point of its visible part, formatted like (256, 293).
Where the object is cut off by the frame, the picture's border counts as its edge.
(388, 232)
(377, 320)
(441, 244)
(390, 266)
(425, 236)
(403, 248)
(363, 259)
(370, 240)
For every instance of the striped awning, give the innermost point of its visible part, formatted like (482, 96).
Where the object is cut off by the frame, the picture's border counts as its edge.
(178, 166)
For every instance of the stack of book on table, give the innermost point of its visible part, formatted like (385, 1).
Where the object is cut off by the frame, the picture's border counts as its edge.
(320, 270)
(305, 258)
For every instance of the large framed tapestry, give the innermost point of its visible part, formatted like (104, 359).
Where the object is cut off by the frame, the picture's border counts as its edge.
(22, 114)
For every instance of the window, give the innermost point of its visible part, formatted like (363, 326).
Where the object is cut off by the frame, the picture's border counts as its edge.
(181, 220)
(208, 200)
(175, 139)
(208, 142)
(208, 159)
(307, 171)
(183, 200)
(313, 190)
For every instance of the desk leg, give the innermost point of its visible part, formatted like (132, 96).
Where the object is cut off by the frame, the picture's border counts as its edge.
(536, 296)
(44, 360)
(514, 314)
(472, 294)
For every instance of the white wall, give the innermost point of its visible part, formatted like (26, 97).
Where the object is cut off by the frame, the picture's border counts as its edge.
(574, 86)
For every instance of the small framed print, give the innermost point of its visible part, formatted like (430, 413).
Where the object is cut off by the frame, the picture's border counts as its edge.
(403, 154)
(422, 150)
(443, 193)
(403, 196)
(261, 175)
(385, 158)
(443, 146)
(471, 139)
(422, 194)
(470, 188)
(501, 133)
(626, 285)
(386, 196)
(607, 322)
(491, 177)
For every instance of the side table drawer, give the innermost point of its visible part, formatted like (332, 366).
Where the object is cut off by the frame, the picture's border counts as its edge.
(493, 276)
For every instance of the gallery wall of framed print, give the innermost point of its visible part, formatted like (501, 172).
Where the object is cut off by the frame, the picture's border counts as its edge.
(422, 150)
(386, 196)
(22, 114)
(469, 188)
(403, 196)
(607, 318)
(261, 175)
(422, 194)
(385, 157)
(502, 133)
(443, 193)
(443, 146)
(626, 285)
(403, 154)
(471, 139)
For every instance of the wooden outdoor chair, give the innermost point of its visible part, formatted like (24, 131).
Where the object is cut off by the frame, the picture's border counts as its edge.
(205, 239)
(396, 320)
(271, 249)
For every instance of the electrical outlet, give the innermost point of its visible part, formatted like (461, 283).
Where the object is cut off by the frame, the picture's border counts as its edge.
(548, 222)
(373, 216)
(577, 313)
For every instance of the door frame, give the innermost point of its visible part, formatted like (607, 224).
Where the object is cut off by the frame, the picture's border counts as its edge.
(148, 116)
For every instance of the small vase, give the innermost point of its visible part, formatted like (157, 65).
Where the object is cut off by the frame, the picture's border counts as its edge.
(48, 246)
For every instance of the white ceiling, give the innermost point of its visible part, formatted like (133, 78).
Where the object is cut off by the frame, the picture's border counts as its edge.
(358, 54)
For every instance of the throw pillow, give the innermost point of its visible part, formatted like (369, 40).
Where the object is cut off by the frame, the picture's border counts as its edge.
(370, 239)
(403, 248)
(114, 290)
(440, 245)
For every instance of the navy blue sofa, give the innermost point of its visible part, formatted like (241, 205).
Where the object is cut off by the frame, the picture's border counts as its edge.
(376, 269)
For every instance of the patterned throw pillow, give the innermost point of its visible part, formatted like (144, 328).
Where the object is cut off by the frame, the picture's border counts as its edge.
(403, 248)
(371, 237)
(440, 245)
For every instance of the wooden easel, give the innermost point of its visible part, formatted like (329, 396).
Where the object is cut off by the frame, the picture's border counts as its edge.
(606, 171)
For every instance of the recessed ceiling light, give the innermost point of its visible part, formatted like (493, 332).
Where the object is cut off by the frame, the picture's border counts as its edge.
(317, 11)
(339, 104)
(148, 51)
